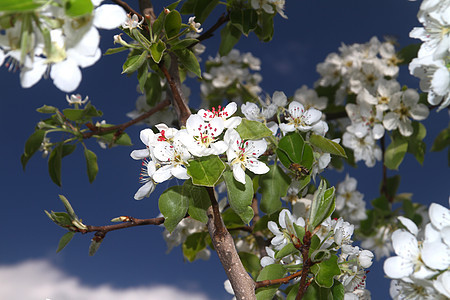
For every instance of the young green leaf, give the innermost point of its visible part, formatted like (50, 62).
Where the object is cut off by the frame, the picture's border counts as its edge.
(252, 130)
(274, 271)
(134, 62)
(325, 271)
(173, 204)
(32, 145)
(157, 50)
(91, 163)
(95, 244)
(251, 263)
(54, 164)
(327, 145)
(442, 141)
(274, 185)
(198, 201)
(206, 171)
(65, 239)
(322, 205)
(194, 244)
(230, 35)
(189, 61)
(47, 109)
(244, 19)
(172, 24)
(240, 196)
(395, 153)
(78, 8)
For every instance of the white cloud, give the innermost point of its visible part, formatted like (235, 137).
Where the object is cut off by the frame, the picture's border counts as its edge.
(39, 280)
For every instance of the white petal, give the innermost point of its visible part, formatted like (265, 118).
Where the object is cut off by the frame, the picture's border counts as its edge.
(439, 215)
(436, 255)
(29, 77)
(273, 227)
(238, 173)
(410, 225)
(145, 190)
(109, 16)
(163, 173)
(66, 75)
(397, 267)
(266, 260)
(442, 284)
(83, 60)
(287, 127)
(405, 127)
(390, 121)
(419, 112)
(147, 136)
(140, 154)
(312, 115)
(296, 109)
(257, 167)
(405, 244)
(180, 172)
(232, 122)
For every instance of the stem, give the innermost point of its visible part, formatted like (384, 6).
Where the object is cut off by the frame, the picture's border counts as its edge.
(120, 128)
(269, 282)
(243, 285)
(131, 222)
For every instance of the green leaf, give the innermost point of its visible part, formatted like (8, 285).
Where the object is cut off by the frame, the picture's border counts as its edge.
(157, 26)
(325, 271)
(194, 243)
(142, 76)
(240, 196)
(136, 61)
(32, 145)
(173, 5)
(173, 204)
(382, 204)
(315, 292)
(95, 244)
(73, 114)
(286, 250)
(47, 109)
(269, 272)
(54, 164)
(206, 171)
(408, 53)
(442, 141)
(300, 231)
(115, 50)
(60, 218)
(264, 30)
(292, 149)
(416, 146)
(392, 184)
(200, 8)
(252, 130)
(91, 163)
(19, 5)
(189, 61)
(153, 89)
(322, 205)
(198, 201)
(65, 239)
(244, 19)
(78, 8)
(231, 219)
(274, 185)
(181, 44)
(229, 36)
(338, 291)
(395, 153)
(157, 51)
(251, 263)
(172, 24)
(327, 145)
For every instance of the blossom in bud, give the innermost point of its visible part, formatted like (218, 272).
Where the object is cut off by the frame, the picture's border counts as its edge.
(194, 26)
(132, 22)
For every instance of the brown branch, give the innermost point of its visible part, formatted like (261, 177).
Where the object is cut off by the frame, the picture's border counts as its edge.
(146, 7)
(383, 189)
(307, 264)
(130, 222)
(173, 78)
(120, 128)
(269, 282)
(243, 285)
(127, 8)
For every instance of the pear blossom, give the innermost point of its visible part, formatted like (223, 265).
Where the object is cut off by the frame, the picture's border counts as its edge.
(403, 106)
(132, 22)
(379, 243)
(244, 155)
(76, 99)
(364, 148)
(201, 138)
(349, 201)
(285, 219)
(366, 120)
(225, 113)
(194, 26)
(299, 118)
(309, 98)
(174, 158)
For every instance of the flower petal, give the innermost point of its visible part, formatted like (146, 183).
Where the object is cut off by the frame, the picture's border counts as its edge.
(109, 16)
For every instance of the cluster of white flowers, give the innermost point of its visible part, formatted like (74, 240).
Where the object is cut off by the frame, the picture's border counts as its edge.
(369, 71)
(73, 46)
(433, 60)
(168, 152)
(421, 269)
(269, 5)
(349, 201)
(335, 235)
(231, 72)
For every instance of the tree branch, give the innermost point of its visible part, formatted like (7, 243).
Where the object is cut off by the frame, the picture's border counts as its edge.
(120, 128)
(283, 280)
(243, 285)
(128, 222)
(173, 78)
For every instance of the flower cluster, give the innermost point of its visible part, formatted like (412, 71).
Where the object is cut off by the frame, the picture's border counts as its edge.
(229, 77)
(421, 268)
(433, 59)
(335, 236)
(368, 71)
(58, 50)
(268, 6)
(209, 132)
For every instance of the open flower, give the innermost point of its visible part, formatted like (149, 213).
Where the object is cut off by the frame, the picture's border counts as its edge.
(174, 157)
(223, 112)
(244, 155)
(194, 26)
(300, 119)
(147, 172)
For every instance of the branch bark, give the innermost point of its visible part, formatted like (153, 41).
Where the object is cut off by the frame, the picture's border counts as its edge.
(243, 285)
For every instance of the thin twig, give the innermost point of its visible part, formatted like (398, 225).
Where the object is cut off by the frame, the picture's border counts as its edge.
(269, 282)
(133, 222)
(120, 128)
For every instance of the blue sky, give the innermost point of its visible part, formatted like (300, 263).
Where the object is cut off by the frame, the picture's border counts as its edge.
(135, 258)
